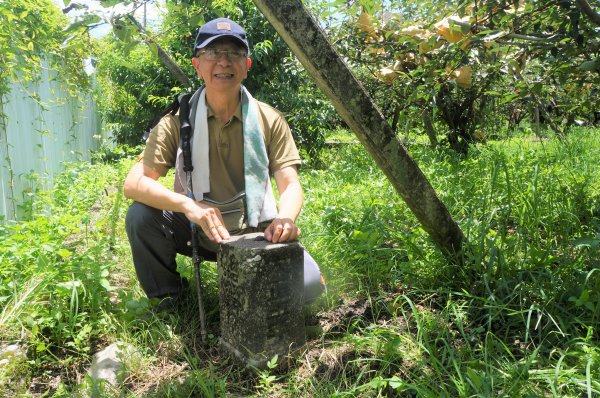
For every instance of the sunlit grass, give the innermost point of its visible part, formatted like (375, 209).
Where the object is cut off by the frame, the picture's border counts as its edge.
(340, 136)
(530, 211)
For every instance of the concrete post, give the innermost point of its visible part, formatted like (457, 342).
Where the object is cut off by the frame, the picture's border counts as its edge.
(261, 298)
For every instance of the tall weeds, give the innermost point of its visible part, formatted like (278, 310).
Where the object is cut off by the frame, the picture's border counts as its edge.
(528, 296)
(54, 270)
(520, 318)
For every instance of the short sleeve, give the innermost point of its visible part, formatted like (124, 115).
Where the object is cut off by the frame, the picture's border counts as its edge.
(161, 147)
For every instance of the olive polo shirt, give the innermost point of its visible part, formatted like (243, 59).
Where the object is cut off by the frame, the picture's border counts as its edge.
(226, 148)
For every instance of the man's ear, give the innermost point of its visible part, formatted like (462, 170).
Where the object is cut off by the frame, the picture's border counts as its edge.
(248, 63)
(196, 65)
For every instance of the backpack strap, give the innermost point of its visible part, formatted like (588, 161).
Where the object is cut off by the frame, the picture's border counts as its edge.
(172, 109)
(185, 131)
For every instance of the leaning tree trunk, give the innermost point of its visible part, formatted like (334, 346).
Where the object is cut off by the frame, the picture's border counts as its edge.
(166, 60)
(309, 43)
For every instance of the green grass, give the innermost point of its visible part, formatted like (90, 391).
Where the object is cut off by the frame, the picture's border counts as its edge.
(341, 136)
(520, 318)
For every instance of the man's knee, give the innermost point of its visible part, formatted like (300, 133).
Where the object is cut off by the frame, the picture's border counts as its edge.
(314, 284)
(139, 215)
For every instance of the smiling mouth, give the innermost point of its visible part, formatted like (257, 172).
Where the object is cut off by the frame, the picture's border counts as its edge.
(224, 75)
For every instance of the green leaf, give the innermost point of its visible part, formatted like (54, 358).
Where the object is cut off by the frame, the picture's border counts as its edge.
(376, 383)
(474, 377)
(47, 247)
(197, 20)
(120, 32)
(590, 66)
(65, 42)
(273, 362)
(127, 64)
(64, 253)
(124, 31)
(111, 3)
(128, 47)
(105, 284)
(395, 382)
(509, 98)
(590, 242)
(153, 48)
(84, 20)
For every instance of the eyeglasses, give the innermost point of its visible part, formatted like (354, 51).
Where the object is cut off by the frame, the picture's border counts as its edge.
(213, 54)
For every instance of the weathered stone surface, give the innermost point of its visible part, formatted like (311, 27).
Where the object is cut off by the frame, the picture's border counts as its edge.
(261, 298)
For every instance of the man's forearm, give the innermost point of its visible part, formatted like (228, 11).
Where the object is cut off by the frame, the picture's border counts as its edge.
(291, 201)
(149, 191)
(154, 194)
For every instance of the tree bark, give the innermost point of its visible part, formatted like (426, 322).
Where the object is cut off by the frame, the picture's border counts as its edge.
(309, 43)
(395, 118)
(585, 7)
(429, 129)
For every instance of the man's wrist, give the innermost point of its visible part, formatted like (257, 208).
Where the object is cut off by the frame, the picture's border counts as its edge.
(285, 217)
(187, 204)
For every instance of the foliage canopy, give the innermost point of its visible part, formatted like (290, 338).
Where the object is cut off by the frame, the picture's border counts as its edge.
(33, 35)
(457, 62)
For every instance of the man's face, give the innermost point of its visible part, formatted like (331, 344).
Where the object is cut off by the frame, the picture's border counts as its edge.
(222, 65)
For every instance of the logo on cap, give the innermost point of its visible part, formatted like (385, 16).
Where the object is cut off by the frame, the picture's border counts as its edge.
(223, 26)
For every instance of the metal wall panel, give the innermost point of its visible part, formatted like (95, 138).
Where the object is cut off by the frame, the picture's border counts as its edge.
(43, 127)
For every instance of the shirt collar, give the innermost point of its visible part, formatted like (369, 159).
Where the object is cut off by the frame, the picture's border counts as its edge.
(237, 114)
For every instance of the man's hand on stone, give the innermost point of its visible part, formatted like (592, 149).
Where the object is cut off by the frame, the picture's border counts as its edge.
(282, 230)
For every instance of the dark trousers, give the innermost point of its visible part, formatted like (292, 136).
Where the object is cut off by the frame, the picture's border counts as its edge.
(157, 236)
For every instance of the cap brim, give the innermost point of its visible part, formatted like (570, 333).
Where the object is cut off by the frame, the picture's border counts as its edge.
(211, 39)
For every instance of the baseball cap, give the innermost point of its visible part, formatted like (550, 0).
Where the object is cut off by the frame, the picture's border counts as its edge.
(217, 28)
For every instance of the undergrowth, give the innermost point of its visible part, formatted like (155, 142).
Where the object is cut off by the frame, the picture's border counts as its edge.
(518, 318)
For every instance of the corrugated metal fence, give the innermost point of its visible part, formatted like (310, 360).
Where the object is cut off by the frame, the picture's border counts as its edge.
(43, 127)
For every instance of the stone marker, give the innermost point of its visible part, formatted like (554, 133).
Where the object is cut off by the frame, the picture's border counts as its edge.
(261, 298)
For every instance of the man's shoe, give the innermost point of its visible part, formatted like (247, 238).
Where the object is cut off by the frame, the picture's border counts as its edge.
(167, 304)
(172, 302)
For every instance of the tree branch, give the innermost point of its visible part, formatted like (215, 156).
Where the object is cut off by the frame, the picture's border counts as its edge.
(171, 65)
(545, 39)
(585, 7)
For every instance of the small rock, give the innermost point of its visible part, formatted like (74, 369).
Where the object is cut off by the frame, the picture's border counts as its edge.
(13, 370)
(108, 364)
(11, 350)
